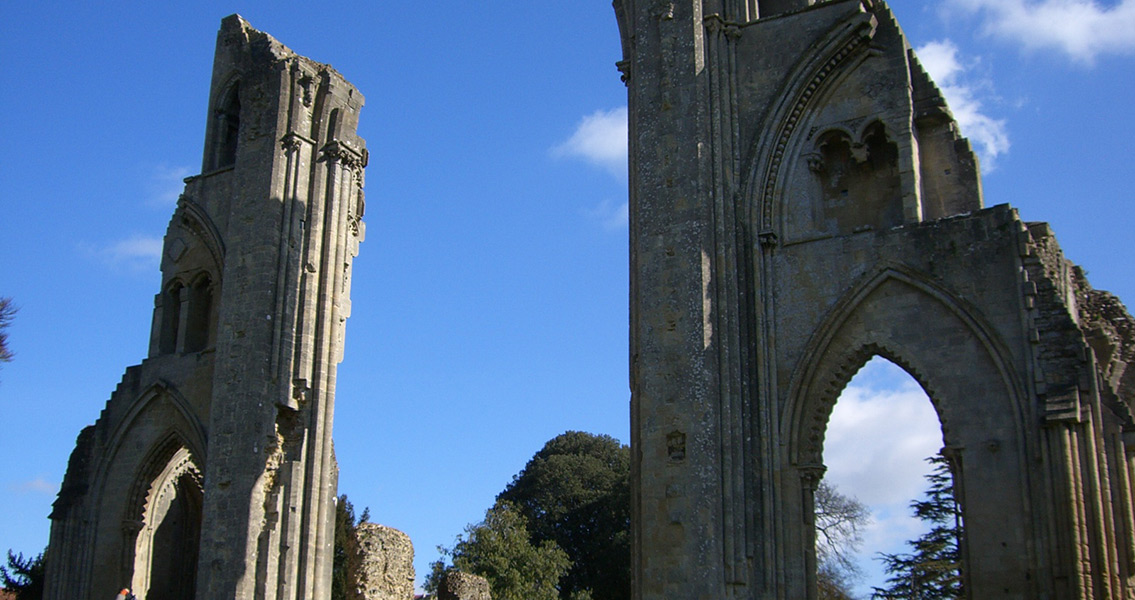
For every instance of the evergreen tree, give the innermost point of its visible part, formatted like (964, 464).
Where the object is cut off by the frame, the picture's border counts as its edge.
(346, 553)
(7, 313)
(499, 550)
(932, 571)
(24, 576)
(576, 492)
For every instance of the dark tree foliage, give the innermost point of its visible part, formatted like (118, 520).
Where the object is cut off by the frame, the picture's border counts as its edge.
(7, 312)
(839, 524)
(576, 492)
(346, 555)
(932, 571)
(500, 550)
(24, 576)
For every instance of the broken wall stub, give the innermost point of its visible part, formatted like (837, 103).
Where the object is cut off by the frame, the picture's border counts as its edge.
(210, 472)
(384, 565)
(801, 201)
(456, 585)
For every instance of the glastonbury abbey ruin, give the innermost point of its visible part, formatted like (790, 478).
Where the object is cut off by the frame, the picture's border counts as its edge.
(210, 473)
(801, 200)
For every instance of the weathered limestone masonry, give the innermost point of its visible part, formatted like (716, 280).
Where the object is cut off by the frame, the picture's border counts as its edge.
(800, 202)
(210, 472)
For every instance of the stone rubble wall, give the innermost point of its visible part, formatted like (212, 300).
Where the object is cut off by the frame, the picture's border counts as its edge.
(463, 586)
(385, 566)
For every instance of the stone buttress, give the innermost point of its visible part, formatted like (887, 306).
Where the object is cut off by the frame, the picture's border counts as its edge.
(210, 472)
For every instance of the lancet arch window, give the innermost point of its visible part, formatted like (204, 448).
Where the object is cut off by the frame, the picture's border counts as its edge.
(226, 129)
(188, 315)
(171, 317)
(198, 321)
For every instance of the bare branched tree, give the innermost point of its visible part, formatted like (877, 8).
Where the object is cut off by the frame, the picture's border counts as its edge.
(839, 535)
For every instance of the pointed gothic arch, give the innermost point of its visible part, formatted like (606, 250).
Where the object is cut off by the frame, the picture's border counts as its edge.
(839, 348)
(151, 428)
(837, 53)
(225, 128)
(165, 510)
(980, 413)
(756, 292)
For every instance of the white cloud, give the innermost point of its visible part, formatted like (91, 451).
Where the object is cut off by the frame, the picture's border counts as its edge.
(166, 184)
(1082, 29)
(881, 431)
(990, 136)
(137, 252)
(601, 139)
(39, 485)
(613, 216)
(876, 443)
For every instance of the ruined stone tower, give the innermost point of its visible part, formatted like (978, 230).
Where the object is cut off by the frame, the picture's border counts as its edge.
(210, 473)
(801, 201)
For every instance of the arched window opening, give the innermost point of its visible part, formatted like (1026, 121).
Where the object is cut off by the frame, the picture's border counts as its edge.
(880, 434)
(227, 129)
(198, 322)
(167, 547)
(171, 318)
(333, 125)
(859, 180)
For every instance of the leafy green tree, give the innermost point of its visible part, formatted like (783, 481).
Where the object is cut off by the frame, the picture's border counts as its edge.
(576, 492)
(839, 535)
(499, 549)
(7, 313)
(24, 576)
(346, 555)
(932, 571)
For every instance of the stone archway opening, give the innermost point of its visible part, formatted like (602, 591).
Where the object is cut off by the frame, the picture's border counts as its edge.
(167, 548)
(881, 431)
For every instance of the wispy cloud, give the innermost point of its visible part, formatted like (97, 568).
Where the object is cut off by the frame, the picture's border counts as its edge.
(39, 485)
(1081, 29)
(612, 215)
(965, 97)
(165, 185)
(601, 139)
(868, 456)
(137, 252)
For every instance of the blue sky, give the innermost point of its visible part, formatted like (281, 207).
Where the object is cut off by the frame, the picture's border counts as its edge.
(490, 297)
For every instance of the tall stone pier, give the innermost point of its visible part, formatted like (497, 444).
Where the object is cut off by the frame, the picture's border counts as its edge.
(800, 202)
(210, 473)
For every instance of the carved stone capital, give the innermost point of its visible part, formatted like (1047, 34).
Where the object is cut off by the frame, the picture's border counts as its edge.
(624, 67)
(815, 162)
(810, 475)
(342, 153)
(716, 24)
(292, 141)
